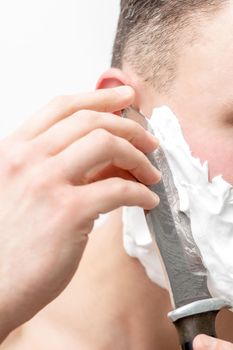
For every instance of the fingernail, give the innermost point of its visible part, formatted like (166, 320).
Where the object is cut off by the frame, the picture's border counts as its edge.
(157, 176)
(157, 200)
(204, 342)
(124, 90)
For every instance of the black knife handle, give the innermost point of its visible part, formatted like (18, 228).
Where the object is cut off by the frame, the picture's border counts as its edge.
(189, 327)
(187, 346)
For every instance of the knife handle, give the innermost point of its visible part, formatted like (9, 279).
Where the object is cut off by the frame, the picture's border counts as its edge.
(189, 327)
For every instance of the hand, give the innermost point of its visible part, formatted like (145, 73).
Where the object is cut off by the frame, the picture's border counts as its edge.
(202, 342)
(73, 161)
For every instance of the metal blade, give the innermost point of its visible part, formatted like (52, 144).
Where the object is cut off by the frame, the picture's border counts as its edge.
(172, 232)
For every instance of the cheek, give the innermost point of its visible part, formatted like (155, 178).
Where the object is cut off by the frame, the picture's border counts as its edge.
(214, 146)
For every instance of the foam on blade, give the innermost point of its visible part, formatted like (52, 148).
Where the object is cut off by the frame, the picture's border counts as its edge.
(209, 205)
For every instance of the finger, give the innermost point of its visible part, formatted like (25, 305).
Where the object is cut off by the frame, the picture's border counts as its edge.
(203, 342)
(100, 149)
(68, 130)
(104, 196)
(111, 171)
(104, 100)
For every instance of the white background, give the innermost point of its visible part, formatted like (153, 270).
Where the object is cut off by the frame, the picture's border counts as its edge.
(48, 48)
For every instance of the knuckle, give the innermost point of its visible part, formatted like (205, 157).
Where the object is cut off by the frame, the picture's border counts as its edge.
(15, 160)
(123, 187)
(39, 182)
(42, 178)
(104, 138)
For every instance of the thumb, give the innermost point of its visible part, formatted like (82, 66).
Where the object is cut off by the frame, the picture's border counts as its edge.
(203, 342)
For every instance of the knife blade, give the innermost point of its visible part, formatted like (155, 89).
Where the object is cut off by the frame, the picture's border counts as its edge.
(195, 309)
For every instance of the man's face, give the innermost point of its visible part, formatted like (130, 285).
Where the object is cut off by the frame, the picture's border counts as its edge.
(202, 94)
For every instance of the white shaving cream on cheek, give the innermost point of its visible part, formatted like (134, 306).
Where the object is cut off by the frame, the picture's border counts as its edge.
(209, 205)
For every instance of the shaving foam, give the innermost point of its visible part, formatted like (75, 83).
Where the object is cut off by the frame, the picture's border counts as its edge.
(209, 205)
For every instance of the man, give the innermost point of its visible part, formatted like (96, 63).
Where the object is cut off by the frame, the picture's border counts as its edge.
(177, 53)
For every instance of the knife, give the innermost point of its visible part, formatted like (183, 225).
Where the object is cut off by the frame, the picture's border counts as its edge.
(194, 309)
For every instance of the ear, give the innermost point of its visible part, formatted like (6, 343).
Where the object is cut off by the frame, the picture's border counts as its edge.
(144, 94)
(113, 77)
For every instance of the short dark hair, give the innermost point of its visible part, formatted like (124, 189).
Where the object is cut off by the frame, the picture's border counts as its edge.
(150, 34)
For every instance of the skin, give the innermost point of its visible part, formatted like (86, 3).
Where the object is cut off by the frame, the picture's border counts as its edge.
(203, 342)
(110, 303)
(52, 169)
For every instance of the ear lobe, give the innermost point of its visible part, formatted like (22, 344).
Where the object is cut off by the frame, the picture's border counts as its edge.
(113, 77)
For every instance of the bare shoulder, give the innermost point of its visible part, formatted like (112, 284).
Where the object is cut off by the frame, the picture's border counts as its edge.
(106, 304)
